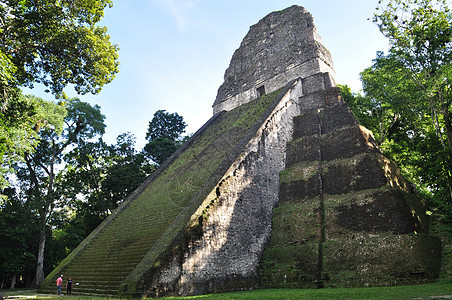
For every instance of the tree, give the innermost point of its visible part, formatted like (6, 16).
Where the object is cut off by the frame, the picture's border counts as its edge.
(100, 177)
(164, 135)
(54, 43)
(420, 36)
(19, 126)
(371, 112)
(40, 175)
(17, 227)
(82, 184)
(407, 99)
(127, 172)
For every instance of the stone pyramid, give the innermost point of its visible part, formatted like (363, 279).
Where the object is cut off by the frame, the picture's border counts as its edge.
(280, 188)
(346, 216)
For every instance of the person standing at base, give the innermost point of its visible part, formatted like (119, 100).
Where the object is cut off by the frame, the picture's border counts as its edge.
(69, 286)
(59, 283)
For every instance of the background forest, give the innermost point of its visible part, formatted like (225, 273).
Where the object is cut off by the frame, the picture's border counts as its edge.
(59, 179)
(407, 104)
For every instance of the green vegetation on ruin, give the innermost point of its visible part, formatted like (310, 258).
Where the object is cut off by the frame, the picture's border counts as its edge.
(299, 171)
(156, 216)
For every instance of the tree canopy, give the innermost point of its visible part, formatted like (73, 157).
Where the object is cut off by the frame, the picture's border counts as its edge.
(40, 175)
(420, 36)
(415, 78)
(164, 135)
(54, 43)
(407, 100)
(19, 127)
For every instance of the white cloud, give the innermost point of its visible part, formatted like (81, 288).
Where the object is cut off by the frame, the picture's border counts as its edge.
(178, 9)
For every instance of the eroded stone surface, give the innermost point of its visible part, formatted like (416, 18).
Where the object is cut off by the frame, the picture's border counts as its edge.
(237, 223)
(281, 47)
(336, 214)
(340, 194)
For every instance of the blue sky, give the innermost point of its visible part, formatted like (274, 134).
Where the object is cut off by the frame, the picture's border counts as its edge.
(174, 53)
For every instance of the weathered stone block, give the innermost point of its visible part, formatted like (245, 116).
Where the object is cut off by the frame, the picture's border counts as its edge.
(299, 181)
(299, 190)
(306, 124)
(335, 117)
(347, 142)
(312, 101)
(296, 222)
(314, 83)
(395, 178)
(361, 172)
(319, 99)
(333, 96)
(306, 149)
(380, 260)
(330, 83)
(290, 266)
(300, 171)
(371, 211)
(319, 82)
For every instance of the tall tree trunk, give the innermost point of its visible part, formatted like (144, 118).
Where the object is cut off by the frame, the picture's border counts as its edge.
(45, 208)
(29, 278)
(448, 125)
(435, 122)
(39, 278)
(443, 143)
(13, 282)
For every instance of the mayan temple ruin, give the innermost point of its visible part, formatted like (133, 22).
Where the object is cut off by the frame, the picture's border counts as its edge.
(280, 188)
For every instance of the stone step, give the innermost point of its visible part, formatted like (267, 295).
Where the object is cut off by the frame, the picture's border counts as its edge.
(360, 172)
(331, 119)
(111, 255)
(344, 143)
(305, 149)
(79, 275)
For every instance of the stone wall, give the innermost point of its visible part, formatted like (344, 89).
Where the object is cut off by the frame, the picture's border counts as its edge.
(346, 216)
(125, 254)
(236, 223)
(281, 47)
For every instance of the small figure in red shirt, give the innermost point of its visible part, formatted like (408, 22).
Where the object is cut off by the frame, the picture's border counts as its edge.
(59, 283)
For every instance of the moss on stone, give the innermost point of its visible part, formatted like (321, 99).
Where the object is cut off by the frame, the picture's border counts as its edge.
(158, 213)
(384, 259)
(299, 171)
(290, 266)
(295, 223)
(357, 216)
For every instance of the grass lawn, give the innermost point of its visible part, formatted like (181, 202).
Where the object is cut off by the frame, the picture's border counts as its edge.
(439, 290)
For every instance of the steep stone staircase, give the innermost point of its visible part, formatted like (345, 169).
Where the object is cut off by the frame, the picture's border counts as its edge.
(111, 257)
(138, 235)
